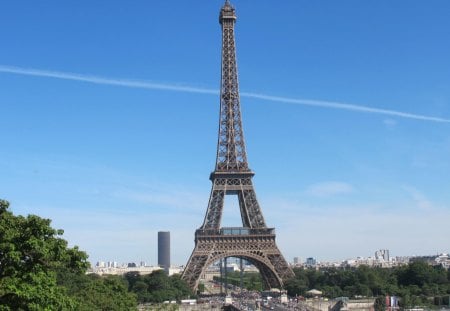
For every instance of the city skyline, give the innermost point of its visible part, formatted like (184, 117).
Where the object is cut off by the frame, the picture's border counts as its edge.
(110, 119)
(401, 259)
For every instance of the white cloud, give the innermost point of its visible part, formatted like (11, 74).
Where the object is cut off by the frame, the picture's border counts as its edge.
(390, 123)
(173, 198)
(329, 188)
(420, 200)
(344, 232)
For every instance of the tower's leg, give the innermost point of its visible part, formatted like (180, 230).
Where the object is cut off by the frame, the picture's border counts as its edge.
(214, 211)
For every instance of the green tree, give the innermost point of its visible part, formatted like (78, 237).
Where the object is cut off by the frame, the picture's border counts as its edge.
(417, 273)
(299, 284)
(157, 287)
(181, 288)
(109, 293)
(31, 253)
(201, 288)
(132, 277)
(38, 271)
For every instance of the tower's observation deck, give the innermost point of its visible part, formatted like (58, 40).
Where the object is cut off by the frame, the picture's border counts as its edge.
(228, 13)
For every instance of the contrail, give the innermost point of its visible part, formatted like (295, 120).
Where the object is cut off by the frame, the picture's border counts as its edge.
(344, 106)
(103, 80)
(190, 89)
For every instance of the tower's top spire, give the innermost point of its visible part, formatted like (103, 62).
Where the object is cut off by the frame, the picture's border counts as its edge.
(227, 12)
(231, 154)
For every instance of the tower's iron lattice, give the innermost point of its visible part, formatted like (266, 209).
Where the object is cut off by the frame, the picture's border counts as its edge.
(232, 176)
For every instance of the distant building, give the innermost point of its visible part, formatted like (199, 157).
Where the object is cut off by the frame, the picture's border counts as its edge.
(382, 254)
(123, 269)
(100, 264)
(112, 264)
(297, 261)
(310, 261)
(443, 260)
(164, 250)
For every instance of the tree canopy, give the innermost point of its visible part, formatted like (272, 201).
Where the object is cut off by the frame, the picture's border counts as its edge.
(38, 271)
(415, 283)
(157, 287)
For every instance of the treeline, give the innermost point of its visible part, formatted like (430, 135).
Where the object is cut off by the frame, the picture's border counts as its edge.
(416, 284)
(157, 287)
(38, 271)
(250, 280)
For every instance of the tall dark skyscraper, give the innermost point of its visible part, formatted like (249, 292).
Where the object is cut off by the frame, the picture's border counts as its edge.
(164, 250)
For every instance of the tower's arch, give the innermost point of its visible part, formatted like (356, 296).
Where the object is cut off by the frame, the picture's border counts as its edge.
(255, 245)
(266, 269)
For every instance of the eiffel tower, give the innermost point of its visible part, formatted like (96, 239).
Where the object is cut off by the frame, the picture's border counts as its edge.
(254, 241)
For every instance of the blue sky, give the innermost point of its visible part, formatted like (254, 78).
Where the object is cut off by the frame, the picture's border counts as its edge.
(109, 122)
